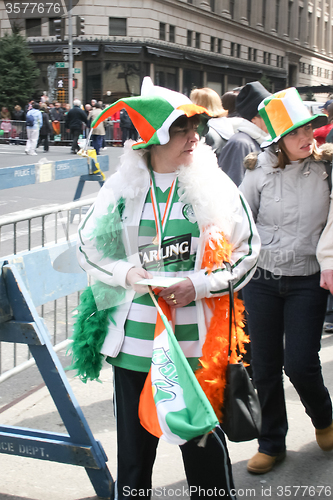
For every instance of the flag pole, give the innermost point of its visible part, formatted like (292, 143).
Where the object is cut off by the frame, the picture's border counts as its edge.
(151, 293)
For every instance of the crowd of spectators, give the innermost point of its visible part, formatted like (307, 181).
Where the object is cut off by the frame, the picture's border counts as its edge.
(13, 122)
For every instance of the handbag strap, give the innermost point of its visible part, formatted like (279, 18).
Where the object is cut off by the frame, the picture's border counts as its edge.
(231, 308)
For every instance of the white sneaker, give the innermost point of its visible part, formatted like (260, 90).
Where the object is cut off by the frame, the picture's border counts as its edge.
(33, 153)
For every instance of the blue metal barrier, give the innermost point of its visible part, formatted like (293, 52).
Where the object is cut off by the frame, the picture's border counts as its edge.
(50, 171)
(26, 280)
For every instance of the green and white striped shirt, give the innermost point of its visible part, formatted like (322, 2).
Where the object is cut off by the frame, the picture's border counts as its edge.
(177, 257)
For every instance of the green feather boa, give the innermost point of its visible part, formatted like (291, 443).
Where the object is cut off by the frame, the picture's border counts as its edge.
(98, 302)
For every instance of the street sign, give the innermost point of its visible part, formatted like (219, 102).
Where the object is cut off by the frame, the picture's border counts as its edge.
(77, 70)
(61, 64)
(76, 50)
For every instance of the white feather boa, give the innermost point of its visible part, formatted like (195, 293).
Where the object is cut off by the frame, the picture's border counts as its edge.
(213, 196)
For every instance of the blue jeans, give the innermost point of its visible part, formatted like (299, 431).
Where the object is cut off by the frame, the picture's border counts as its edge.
(285, 319)
(97, 141)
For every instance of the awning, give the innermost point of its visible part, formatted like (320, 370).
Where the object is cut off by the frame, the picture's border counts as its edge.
(165, 53)
(207, 60)
(41, 48)
(124, 49)
(318, 89)
(52, 49)
(87, 47)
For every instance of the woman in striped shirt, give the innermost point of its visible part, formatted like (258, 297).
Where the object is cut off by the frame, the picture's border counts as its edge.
(171, 197)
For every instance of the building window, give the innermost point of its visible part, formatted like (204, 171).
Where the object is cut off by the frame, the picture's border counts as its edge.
(327, 73)
(267, 58)
(219, 45)
(172, 33)
(189, 1)
(33, 27)
(235, 49)
(162, 31)
(212, 5)
(249, 8)
(197, 40)
(166, 77)
(263, 18)
(300, 16)
(310, 69)
(252, 54)
(53, 25)
(290, 6)
(189, 38)
(318, 33)
(309, 27)
(319, 72)
(232, 8)
(212, 43)
(117, 26)
(277, 15)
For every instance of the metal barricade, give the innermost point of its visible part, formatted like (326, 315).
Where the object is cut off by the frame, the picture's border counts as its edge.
(33, 229)
(15, 132)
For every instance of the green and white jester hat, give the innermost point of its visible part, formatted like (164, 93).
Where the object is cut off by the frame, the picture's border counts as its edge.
(153, 112)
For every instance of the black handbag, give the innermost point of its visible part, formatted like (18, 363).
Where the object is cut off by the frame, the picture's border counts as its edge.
(241, 408)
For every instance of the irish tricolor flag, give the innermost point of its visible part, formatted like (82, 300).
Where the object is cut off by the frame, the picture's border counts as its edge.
(173, 405)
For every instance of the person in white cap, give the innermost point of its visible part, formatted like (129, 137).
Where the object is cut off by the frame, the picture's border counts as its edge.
(162, 214)
(288, 191)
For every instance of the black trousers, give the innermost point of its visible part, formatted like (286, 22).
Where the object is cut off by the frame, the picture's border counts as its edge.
(45, 139)
(76, 133)
(207, 469)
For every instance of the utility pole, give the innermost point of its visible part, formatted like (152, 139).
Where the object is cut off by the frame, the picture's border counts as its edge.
(70, 55)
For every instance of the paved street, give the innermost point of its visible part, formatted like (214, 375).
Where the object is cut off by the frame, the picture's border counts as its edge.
(305, 474)
(48, 193)
(12, 155)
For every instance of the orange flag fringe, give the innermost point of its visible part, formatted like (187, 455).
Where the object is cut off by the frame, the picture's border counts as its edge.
(212, 373)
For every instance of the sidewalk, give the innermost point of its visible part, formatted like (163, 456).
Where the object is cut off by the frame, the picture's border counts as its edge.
(306, 473)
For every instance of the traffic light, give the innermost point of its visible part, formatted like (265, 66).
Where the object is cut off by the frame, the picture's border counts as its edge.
(59, 28)
(79, 25)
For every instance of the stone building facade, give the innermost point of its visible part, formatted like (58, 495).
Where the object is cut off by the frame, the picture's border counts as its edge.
(180, 43)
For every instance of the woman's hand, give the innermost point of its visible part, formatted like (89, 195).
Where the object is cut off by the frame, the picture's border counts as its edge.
(326, 280)
(179, 295)
(136, 274)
